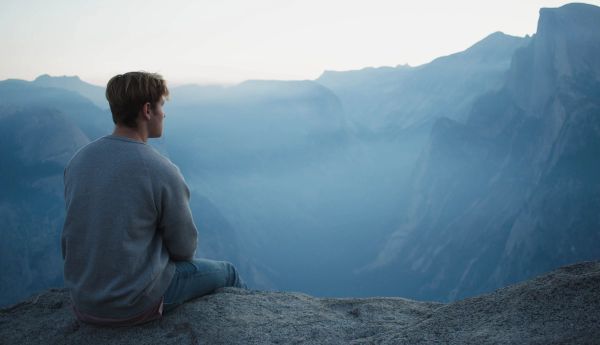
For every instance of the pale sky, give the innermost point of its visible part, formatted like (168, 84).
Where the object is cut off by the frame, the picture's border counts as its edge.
(228, 41)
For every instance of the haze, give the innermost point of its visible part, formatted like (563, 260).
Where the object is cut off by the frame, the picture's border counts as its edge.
(230, 41)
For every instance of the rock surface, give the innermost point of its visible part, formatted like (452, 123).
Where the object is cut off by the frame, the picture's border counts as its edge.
(560, 307)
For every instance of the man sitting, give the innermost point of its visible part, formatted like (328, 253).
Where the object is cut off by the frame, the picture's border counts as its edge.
(129, 239)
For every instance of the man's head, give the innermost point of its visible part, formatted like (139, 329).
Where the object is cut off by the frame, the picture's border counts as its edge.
(136, 97)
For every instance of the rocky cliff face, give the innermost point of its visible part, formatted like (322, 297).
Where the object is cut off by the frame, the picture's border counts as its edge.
(514, 191)
(557, 308)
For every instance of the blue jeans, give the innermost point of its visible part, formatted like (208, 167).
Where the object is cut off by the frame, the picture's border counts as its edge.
(197, 278)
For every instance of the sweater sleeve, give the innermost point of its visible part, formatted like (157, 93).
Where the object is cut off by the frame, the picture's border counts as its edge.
(176, 223)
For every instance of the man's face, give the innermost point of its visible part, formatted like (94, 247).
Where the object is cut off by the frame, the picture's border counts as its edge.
(155, 125)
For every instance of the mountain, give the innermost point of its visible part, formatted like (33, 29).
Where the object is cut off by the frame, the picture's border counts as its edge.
(391, 99)
(257, 120)
(513, 191)
(35, 144)
(557, 308)
(19, 94)
(92, 92)
(433, 182)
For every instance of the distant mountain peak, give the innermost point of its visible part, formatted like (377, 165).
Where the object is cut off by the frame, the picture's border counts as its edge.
(565, 46)
(47, 77)
(575, 17)
(74, 83)
(574, 8)
(497, 36)
(495, 43)
(365, 70)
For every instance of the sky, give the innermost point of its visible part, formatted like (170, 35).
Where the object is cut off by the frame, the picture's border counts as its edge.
(228, 41)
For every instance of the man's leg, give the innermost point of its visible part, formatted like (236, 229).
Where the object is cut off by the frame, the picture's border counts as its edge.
(197, 278)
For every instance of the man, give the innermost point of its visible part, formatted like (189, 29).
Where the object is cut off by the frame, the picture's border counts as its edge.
(129, 240)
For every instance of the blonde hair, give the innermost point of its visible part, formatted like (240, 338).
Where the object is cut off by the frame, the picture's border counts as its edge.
(127, 93)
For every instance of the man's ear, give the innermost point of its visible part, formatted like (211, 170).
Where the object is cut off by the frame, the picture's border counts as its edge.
(146, 110)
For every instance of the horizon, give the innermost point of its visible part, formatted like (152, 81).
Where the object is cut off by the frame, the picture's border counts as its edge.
(227, 84)
(236, 42)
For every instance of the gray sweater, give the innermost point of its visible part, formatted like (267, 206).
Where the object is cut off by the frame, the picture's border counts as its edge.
(128, 219)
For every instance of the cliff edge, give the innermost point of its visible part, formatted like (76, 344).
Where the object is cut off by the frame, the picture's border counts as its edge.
(560, 307)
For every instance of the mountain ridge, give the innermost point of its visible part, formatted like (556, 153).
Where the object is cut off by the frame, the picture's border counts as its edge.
(92, 92)
(380, 100)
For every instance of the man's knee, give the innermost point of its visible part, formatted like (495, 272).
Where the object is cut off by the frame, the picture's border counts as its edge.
(229, 267)
(234, 278)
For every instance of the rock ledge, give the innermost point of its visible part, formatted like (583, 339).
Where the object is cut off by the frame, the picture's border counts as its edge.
(560, 307)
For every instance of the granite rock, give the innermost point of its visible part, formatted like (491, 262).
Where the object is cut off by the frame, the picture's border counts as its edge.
(560, 307)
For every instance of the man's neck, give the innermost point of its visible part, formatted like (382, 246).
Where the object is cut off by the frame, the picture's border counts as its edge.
(132, 133)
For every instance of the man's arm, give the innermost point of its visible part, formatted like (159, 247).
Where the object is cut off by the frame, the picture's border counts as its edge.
(176, 223)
